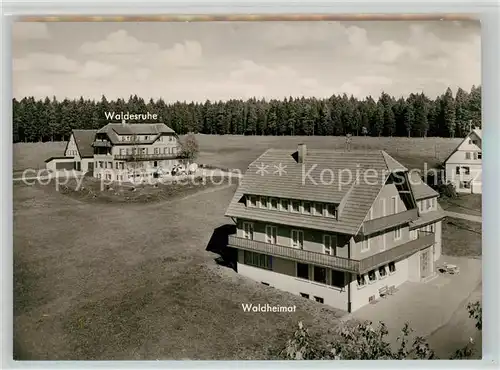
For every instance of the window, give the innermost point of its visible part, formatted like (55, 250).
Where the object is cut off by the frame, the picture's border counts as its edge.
(479, 155)
(248, 230)
(365, 244)
(470, 141)
(466, 170)
(457, 170)
(392, 267)
(304, 295)
(155, 164)
(271, 234)
(295, 206)
(474, 142)
(338, 279)
(156, 150)
(306, 207)
(397, 233)
(331, 210)
(146, 137)
(382, 242)
(110, 165)
(467, 155)
(320, 274)
(361, 280)
(432, 229)
(274, 203)
(122, 165)
(318, 209)
(464, 185)
(297, 239)
(475, 155)
(285, 205)
(257, 260)
(382, 207)
(263, 202)
(252, 201)
(371, 276)
(394, 205)
(428, 204)
(382, 271)
(329, 244)
(303, 271)
(319, 299)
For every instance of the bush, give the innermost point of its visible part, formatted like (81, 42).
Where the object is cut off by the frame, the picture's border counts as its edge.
(356, 341)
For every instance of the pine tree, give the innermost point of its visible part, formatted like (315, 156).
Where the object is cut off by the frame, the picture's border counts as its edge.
(449, 112)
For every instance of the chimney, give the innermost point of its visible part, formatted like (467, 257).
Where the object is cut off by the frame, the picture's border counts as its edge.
(302, 152)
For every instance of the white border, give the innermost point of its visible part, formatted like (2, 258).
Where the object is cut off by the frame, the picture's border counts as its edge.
(488, 13)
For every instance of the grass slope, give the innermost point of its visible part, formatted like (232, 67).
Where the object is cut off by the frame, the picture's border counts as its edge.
(104, 281)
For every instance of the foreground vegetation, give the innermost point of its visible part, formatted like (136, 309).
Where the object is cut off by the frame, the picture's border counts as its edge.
(364, 341)
(417, 115)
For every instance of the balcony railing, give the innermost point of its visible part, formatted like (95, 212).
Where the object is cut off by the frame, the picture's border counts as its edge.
(383, 223)
(425, 239)
(338, 263)
(145, 157)
(301, 255)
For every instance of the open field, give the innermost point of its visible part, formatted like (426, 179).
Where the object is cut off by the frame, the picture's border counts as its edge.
(230, 151)
(134, 281)
(470, 204)
(462, 238)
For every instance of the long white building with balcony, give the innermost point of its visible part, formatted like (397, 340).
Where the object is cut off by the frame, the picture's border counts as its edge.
(124, 151)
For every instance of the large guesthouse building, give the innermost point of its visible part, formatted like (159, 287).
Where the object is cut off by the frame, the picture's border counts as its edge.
(341, 228)
(120, 151)
(124, 151)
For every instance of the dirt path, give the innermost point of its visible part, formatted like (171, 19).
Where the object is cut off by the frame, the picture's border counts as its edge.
(463, 216)
(456, 333)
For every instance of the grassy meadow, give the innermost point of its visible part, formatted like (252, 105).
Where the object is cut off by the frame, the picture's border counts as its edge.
(232, 151)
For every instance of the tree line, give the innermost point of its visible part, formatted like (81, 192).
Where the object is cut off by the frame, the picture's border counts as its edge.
(448, 115)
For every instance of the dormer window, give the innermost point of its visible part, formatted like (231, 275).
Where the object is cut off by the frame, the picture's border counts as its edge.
(273, 203)
(479, 155)
(285, 205)
(331, 211)
(306, 208)
(263, 202)
(318, 209)
(295, 206)
(252, 201)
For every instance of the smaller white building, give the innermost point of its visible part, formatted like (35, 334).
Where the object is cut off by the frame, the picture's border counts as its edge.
(463, 167)
(78, 154)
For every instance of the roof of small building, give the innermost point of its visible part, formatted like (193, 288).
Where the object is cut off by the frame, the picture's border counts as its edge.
(84, 140)
(115, 129)
(350, 179)
(478, 132)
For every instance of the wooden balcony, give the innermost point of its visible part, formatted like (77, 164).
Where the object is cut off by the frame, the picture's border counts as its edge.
(424, 240)
(338, 263)
(145, 157)
(382, 223)
(300, 255)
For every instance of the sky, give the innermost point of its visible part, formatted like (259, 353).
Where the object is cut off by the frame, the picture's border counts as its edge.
(196, 61)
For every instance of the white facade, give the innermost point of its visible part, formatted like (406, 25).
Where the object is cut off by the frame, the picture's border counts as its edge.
(464, 166)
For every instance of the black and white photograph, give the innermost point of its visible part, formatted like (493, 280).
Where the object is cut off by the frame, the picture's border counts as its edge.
(201, 189)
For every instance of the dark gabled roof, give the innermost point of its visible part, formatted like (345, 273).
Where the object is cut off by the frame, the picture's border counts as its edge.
(154, 129)
(420, 189)
(358, 177)
(53, 158)
(84, 140)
